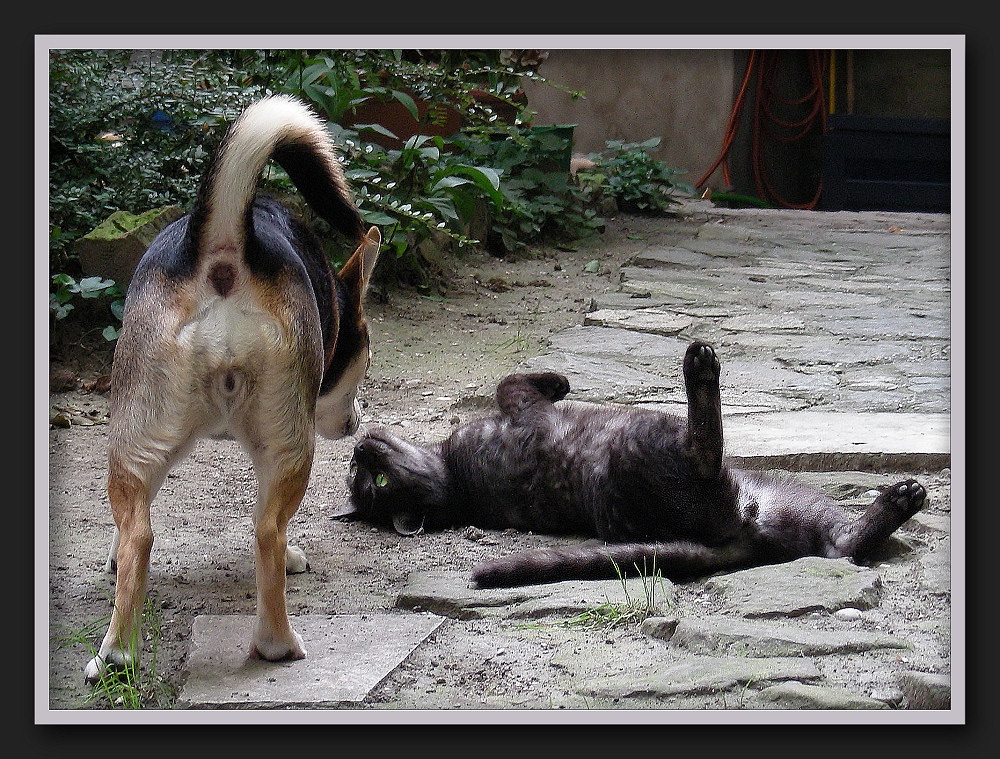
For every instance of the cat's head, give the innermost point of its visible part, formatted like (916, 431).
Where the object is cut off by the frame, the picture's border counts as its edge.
(395, 483)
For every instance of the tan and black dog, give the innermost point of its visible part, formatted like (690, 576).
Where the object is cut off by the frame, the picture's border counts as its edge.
(236, 326)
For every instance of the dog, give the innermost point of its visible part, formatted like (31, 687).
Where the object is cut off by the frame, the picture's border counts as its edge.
(235, 326)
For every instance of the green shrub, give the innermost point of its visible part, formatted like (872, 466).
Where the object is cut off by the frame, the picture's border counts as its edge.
(637, 182)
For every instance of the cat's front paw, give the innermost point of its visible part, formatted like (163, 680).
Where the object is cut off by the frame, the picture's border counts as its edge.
(701, 364)
(905, 498)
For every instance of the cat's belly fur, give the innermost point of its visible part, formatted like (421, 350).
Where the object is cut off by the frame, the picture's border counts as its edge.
(567, 475)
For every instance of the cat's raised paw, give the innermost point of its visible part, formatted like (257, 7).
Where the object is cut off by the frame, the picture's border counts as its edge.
(906, 498)
(701, 363)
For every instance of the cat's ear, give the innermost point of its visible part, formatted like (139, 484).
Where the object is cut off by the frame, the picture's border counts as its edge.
(346, 512)
(407, 522)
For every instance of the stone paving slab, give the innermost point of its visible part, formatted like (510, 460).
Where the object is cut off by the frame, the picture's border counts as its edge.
(341, 667)
(721, 635)
(450, 593)
(798, 587)
(795, 695)
(828, 441)
(707, 674)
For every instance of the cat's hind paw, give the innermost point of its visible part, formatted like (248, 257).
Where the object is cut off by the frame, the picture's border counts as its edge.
(904, 498)
(890, 509)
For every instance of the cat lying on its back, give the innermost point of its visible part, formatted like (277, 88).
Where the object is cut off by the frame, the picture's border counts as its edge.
(654, 486)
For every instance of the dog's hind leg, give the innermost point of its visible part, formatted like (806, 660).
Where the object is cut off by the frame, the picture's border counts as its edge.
(273, 638)
(283, 471)
(130, 498)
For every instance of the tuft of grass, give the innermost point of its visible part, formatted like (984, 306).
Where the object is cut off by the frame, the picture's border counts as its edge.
(518, 343)
(630, 612)
(136, 685)
(741, 701)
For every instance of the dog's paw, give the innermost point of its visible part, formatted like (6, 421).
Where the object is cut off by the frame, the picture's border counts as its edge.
(94, 670)
(98, 666)
(271, 649)
(295, 561)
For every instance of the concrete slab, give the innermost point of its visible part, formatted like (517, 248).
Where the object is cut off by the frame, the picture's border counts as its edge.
(347, 656)
(450, 593)
(830, 441)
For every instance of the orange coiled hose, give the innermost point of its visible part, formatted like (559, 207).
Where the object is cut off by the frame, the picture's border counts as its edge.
(768, 125)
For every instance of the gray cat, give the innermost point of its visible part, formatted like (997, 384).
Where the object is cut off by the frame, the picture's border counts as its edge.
(653, 486)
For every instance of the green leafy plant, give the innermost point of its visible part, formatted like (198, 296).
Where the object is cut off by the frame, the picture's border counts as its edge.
(496, 165)
(127, 132)
(540, 202)
(423, 193)
(627, 173)
(65, 289)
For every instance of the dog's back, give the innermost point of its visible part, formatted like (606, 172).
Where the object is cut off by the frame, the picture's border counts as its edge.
(235, 325)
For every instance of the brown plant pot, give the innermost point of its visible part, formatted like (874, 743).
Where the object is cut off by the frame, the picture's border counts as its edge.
(440, 120)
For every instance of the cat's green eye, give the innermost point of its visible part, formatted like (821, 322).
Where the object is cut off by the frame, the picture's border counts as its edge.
(381, 480)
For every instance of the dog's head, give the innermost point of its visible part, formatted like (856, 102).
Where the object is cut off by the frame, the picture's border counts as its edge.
(338, 413)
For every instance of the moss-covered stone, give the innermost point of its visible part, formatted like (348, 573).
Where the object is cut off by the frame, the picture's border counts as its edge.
(113, 248)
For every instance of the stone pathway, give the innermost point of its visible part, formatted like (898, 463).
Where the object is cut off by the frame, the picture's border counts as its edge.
(834, 332)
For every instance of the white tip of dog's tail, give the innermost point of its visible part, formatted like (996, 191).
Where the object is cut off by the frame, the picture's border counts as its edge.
(260, 131)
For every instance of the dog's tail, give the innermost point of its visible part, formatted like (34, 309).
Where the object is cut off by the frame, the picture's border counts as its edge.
(285, 129)
(680, 560)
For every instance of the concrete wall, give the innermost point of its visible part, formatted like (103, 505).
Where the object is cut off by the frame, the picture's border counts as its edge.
(682, 96)
(685, 97)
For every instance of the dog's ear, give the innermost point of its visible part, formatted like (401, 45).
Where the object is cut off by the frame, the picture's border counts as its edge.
(356, 274)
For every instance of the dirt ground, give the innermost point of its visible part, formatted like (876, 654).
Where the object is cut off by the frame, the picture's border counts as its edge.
(436, 363)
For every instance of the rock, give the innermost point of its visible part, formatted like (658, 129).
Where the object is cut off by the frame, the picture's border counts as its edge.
(794, 695)
(701, 675)
(798, 587)
(735, 637)
(848, 614)
(926, 691)
(451, 594)
(113, 249)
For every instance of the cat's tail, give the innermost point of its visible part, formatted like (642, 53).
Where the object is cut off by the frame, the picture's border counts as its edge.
(680, 560)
